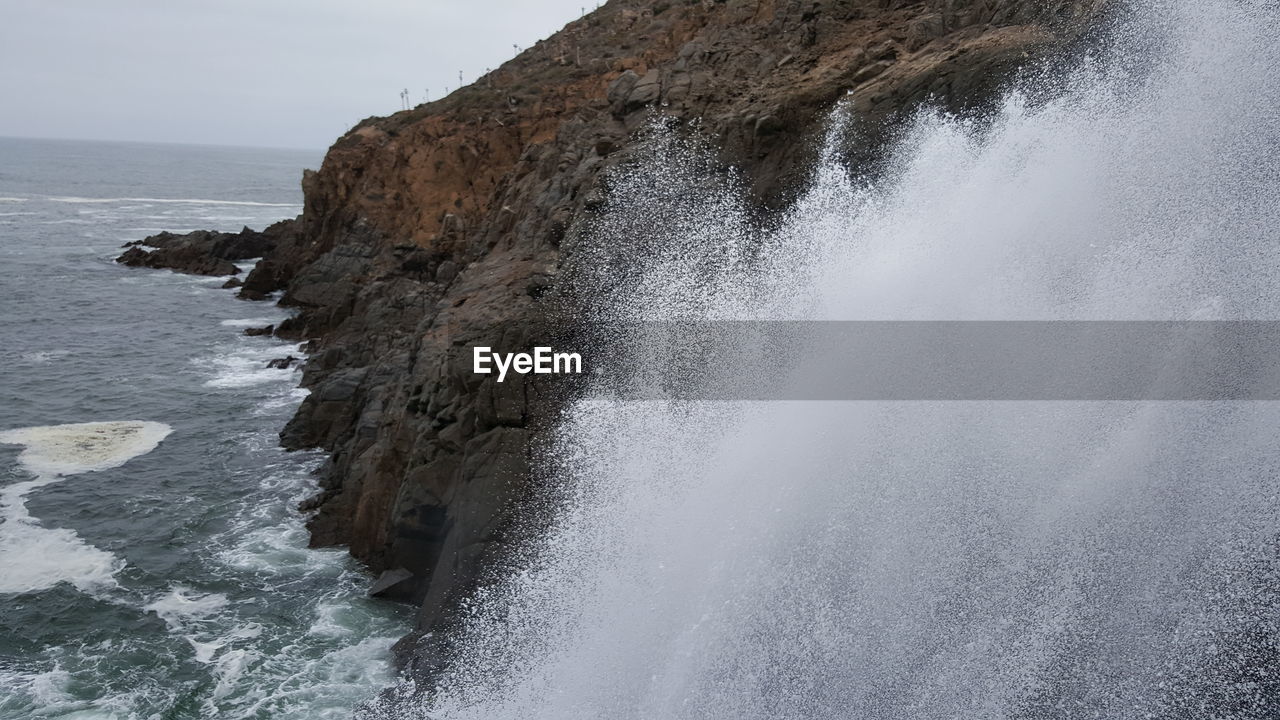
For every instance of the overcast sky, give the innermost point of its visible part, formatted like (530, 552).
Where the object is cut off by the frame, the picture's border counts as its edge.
(276, 73)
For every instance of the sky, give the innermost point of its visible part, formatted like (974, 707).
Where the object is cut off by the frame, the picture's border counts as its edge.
(267, 73)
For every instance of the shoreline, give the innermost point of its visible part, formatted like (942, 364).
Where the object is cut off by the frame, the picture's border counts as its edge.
(437, 228)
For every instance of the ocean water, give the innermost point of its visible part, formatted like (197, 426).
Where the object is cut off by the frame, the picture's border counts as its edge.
(152, 563)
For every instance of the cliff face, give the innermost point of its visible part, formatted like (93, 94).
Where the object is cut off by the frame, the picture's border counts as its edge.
(446, 226)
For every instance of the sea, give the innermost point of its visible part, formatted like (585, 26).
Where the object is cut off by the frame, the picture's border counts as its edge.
(153, 563)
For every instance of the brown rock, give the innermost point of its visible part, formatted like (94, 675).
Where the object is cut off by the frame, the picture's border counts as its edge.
(446, 226)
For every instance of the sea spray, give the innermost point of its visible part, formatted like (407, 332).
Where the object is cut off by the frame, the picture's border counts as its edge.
(907, 560)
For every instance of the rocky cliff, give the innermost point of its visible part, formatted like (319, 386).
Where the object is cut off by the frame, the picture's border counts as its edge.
(449, 225)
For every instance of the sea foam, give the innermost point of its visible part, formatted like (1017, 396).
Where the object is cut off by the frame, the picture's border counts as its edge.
(34, 558)
(248, 322)
(84, 447)
(182, 606)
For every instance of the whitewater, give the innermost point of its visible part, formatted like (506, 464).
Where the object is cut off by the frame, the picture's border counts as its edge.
(153, 563)
(927, 559)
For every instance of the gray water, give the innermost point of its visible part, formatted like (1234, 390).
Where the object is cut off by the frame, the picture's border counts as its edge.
(153, 565)
(929, 559)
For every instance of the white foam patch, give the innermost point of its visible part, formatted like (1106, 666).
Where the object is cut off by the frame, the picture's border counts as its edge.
(205, 651)
(33, 557)
(182, 606)
(320, 688)
(12, 200)
(239, 372)
(51, 694)
(44, 356)
(28, 690)
(84, 447)
(50, 688)
(248, 322)
(228, 670)
(281, 548)
(273, 404)
(246, 365)
(333, 620)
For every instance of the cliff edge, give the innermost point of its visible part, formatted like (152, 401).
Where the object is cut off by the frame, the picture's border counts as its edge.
(449, 225)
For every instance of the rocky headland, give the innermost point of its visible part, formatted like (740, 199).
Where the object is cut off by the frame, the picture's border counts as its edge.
(450, 225)
(204, 252)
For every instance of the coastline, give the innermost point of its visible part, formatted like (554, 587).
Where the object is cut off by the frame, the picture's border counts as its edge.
(179, 580)
(426, 232)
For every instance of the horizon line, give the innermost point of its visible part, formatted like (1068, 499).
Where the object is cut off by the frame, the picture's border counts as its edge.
(4, 136)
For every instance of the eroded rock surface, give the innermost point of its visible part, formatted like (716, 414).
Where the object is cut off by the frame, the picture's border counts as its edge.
(204, 252)
(449, 225)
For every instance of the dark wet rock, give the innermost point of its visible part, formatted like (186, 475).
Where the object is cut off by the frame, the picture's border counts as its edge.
(261, 281)
(204, 252)
(234, 282)
(283, 363)
(452, 224)
(605, 146)
(446, 272)
(190, 259)
(392, 584)
(134, 256)
(254, 332)
(449, 225)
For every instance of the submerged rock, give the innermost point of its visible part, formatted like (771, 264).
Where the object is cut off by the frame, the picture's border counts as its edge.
(283, 363)
(260, 282)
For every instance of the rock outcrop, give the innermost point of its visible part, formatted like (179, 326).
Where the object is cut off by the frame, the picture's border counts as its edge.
(204, 252)
(449, 225)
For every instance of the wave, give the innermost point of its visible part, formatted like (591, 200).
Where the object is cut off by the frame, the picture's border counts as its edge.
(34, 558)
(246, 365)
(248, 322)
(44, 356)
